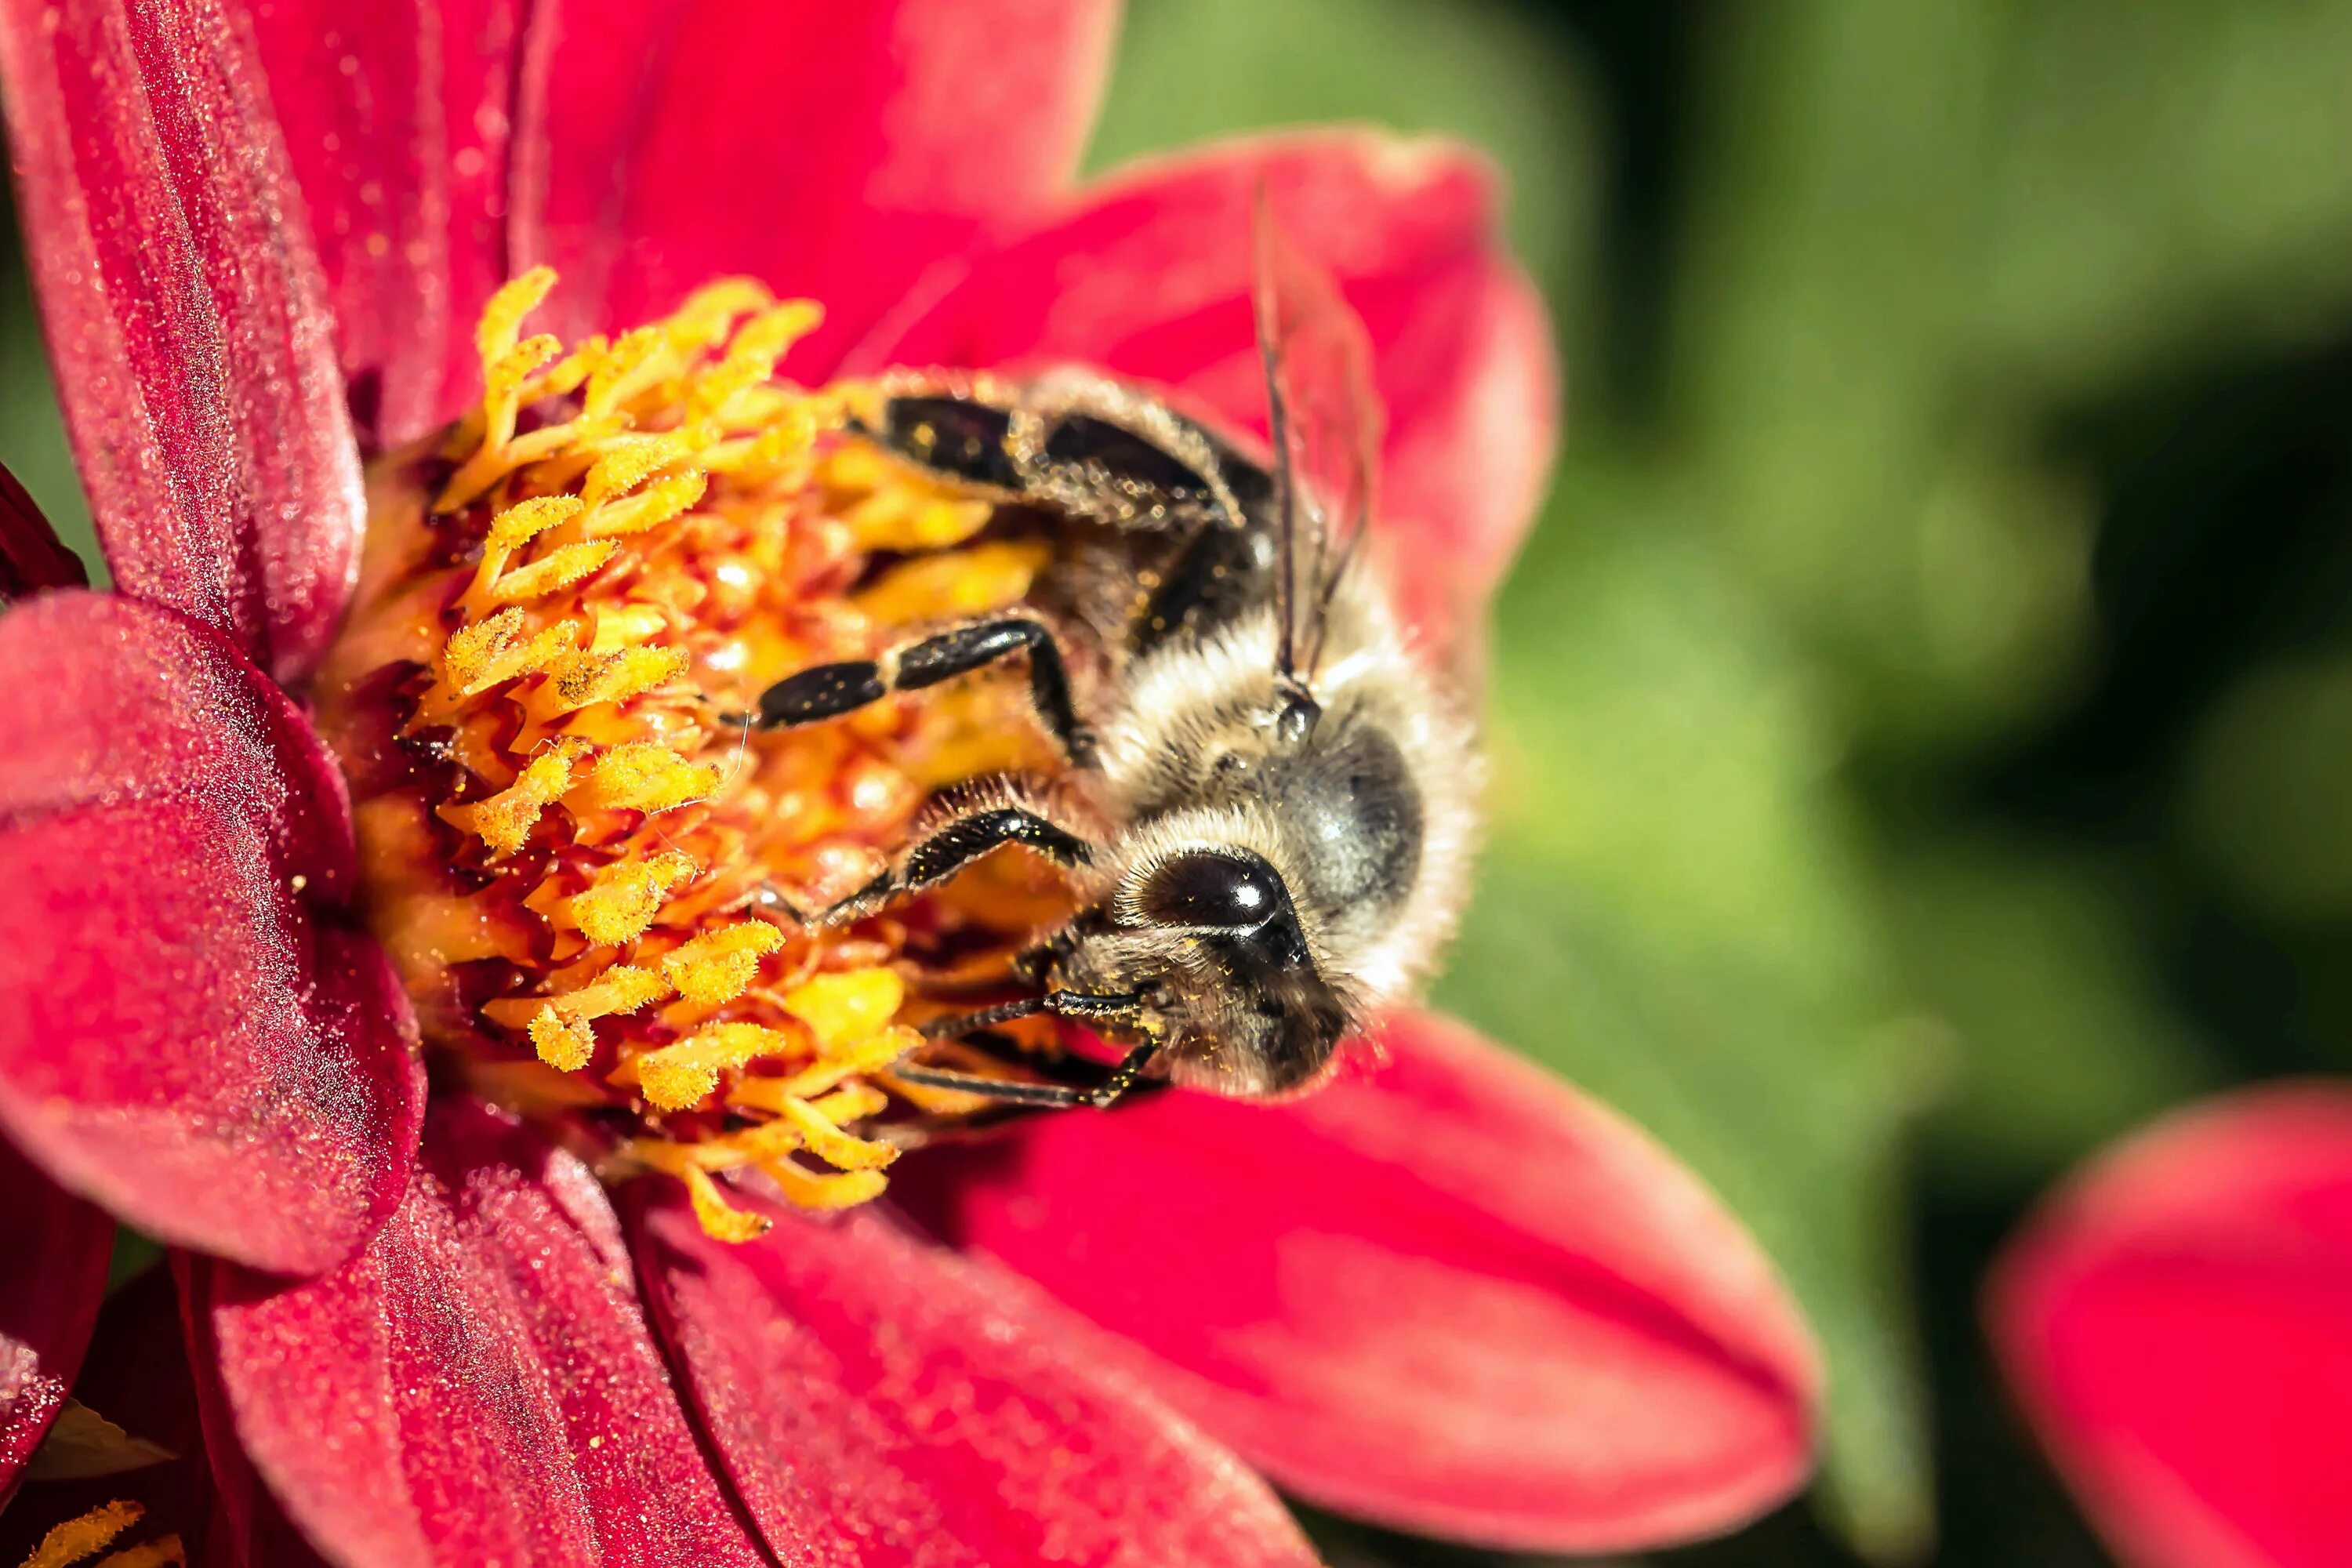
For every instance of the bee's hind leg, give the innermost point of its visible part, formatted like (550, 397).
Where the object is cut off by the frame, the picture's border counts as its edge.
(829, 691)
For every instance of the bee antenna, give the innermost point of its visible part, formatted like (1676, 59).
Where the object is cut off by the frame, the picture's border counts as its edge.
(1286, 486)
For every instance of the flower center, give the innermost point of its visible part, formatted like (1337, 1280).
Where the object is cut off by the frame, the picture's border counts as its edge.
(565, 836)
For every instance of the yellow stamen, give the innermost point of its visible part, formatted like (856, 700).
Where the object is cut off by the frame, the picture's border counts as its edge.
(971, 582)
(625, 625)
(729, 1151)
(482, 655)
(664, 500)
(720, 1218)
(621, 373)
(526, 521)
(642, 776)
(831, 1144)
(870, 1055)
(78, 1538)
(558, 1025)
(505, 820)
(752, 357)
(151, 1554)
(625, 899)
(630, 463)
(844, 1009)
(553, 572)
(851, 1102)
(684, 1073)
(585, 678)
(563, 1043)
(892, 519)
(846, 1189)
(511, 531)
(502, 318)
(717, 966)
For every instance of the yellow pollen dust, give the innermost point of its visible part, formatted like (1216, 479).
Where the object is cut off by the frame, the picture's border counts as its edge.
(565, 836)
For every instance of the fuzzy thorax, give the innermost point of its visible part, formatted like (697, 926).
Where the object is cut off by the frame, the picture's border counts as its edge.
(562, 838)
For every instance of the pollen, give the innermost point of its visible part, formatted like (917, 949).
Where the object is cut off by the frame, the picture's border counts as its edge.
(569, 839)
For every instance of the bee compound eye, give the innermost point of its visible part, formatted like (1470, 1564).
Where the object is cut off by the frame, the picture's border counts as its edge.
(1227, 892)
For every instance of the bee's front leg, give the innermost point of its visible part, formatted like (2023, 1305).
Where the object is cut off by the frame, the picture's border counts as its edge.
(829, 691)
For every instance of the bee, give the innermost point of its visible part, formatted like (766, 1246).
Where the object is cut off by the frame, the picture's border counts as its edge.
(1269, 804)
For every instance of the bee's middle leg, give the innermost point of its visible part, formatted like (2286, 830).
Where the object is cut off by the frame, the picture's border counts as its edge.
(829, 691)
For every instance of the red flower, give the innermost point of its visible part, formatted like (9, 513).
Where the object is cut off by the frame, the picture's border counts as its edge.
(1450, 1295)
(2177, 1324)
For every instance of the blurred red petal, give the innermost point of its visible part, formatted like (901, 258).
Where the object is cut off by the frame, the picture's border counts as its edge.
(184, 1035)
(834, 150)
(1150, 277)
(1451, 1295)
(186, 318)
(397, 115)
(482, 1374)
(877, 1402)
(2177, 1323)
(53, 1254)
(137, 1377)
(31, 558)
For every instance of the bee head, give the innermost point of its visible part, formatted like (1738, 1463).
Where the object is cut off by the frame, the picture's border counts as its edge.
(1250, 1012)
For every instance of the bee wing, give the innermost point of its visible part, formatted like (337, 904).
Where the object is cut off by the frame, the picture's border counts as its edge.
(1326, 422)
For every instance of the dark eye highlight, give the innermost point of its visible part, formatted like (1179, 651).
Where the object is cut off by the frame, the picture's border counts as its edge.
(1227, 893)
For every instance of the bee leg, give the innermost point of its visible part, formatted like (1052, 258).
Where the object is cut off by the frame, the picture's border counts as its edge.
(1121, 1080)
(963, 840)
(1011, 1091)
(1018, 1092)
(1124, 1076)
(1084, 1007)
(829, 691)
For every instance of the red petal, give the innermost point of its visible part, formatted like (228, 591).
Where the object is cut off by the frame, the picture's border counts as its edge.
(481, 1376)
(183, 1037)
(136, 1377)
(1150, 277)
(875, 1402)
(55, 1249)
(31, 558)
(186, 318)
(1451, 1295)
(2178, 1325)
(397, 115)
(833, 150)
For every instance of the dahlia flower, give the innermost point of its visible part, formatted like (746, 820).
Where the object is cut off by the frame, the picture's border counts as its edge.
(458, 386)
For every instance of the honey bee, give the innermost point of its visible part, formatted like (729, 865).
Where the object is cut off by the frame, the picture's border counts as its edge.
(1269, 804)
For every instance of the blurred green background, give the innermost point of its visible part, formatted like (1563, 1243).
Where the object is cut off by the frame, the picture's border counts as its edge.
(1925, 713)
